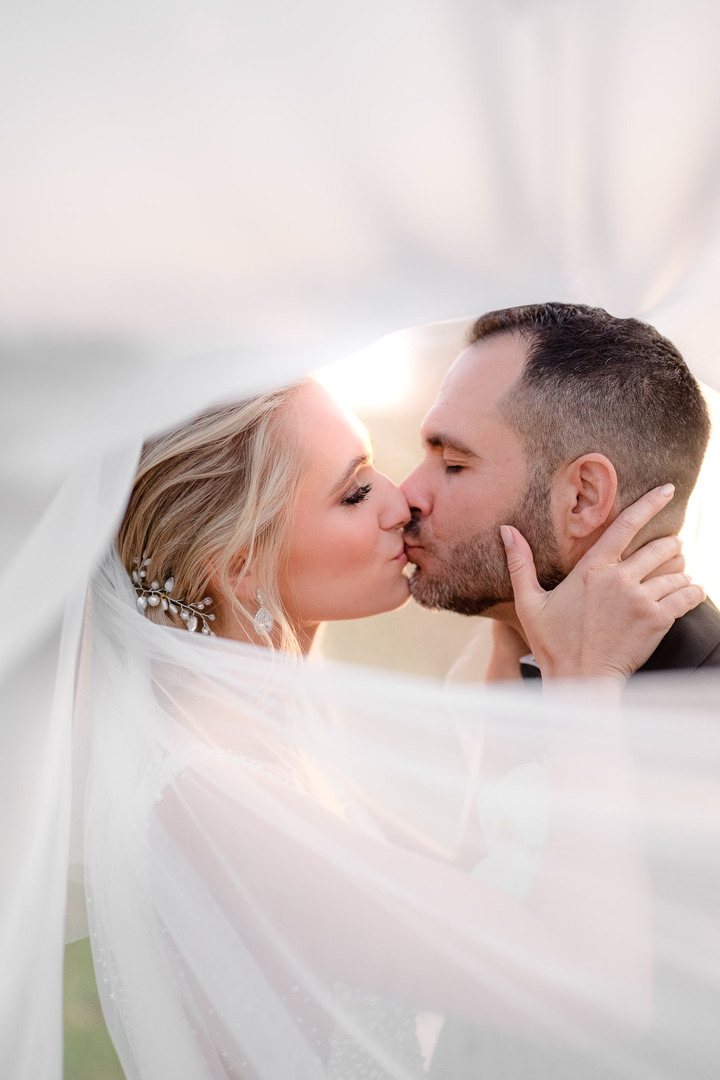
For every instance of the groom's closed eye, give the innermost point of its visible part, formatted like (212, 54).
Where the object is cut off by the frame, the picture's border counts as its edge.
(450, 445)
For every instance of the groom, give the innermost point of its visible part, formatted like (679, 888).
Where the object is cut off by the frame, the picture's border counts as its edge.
(555, 418)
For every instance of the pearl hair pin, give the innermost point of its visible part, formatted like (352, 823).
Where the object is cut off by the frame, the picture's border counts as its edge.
(152, 594)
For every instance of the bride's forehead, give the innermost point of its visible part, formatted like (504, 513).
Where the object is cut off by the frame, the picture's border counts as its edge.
(322, 419)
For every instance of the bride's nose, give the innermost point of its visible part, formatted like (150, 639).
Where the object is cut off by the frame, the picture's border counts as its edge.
(395, 513)
(415, 490)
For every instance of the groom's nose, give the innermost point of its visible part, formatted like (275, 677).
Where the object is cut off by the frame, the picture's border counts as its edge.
(417, 493)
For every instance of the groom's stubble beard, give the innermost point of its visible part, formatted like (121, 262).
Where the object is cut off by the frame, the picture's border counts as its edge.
(474, 576)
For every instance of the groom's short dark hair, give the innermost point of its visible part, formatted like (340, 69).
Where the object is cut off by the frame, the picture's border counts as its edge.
(596, 384)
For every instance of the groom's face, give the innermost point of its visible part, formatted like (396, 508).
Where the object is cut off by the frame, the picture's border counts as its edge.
(474, 478)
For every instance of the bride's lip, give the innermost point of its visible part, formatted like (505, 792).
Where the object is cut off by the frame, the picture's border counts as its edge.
(409, 551)
(401, 557)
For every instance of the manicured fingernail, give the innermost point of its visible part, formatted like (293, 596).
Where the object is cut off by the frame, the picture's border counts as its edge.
(667, 490)
(507, 537)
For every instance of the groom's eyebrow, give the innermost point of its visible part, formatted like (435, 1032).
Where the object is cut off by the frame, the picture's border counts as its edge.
(354, 465)
(448, 442)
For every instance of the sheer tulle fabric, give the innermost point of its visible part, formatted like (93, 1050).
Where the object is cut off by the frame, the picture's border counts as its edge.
(342, 172)
(286, 876)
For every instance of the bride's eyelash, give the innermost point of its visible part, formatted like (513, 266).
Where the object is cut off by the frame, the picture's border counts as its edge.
(357, 496)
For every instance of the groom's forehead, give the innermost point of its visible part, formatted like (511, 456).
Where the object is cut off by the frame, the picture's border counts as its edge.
(476, 381)
(489, 366)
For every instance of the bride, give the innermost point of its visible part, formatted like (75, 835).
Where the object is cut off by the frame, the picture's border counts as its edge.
(280, 854)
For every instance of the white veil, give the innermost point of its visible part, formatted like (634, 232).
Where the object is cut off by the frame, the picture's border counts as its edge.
(338, 172)
(284, 877)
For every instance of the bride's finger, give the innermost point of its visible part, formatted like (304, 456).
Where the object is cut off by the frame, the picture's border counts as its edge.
(653, 555)
(657, 588)
(676, 565)
(521, 565)
(627, 525)
(677, 604)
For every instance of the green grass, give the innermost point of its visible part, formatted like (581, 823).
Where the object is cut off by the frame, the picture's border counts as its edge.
(89, 1053)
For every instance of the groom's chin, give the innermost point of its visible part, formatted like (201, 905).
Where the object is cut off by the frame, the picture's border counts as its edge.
(424, 591)
(438, 595)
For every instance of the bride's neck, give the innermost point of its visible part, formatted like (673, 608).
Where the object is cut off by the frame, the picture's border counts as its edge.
(306, 636)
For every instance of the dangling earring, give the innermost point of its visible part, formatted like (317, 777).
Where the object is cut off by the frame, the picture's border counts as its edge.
(263, 621)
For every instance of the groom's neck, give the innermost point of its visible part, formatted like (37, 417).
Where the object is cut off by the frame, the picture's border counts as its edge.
(506, 613)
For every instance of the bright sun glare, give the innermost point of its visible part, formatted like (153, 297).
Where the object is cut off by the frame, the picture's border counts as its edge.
(376, 379)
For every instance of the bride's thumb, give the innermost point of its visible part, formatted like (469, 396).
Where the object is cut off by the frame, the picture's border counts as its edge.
(521, 565)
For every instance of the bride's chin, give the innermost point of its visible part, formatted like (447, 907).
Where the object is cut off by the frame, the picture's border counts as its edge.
(381, 603)
(402, 603)
(399, 598)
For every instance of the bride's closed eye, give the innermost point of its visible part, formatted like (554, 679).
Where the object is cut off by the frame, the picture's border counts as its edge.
(357, 496)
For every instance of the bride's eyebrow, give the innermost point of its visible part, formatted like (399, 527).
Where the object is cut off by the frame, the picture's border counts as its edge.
(355, 464)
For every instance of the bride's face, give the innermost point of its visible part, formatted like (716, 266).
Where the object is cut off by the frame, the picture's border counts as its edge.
(346, 554)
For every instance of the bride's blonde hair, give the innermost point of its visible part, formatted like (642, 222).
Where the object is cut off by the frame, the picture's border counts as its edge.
(212, 501)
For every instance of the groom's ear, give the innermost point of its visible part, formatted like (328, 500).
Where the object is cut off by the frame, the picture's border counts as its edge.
(584, 496)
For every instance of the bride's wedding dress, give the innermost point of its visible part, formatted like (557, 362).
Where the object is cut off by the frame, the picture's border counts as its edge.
(513, 814)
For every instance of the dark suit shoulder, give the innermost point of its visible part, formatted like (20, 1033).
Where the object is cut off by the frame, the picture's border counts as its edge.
(691, 642)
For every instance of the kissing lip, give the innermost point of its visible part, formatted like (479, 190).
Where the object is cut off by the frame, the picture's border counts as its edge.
(409, 549)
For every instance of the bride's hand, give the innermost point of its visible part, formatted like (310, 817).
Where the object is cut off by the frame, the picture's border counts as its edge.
(610, 614)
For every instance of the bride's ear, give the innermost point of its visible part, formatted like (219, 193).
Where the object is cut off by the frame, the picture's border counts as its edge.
(241, 580)
(584, 496)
